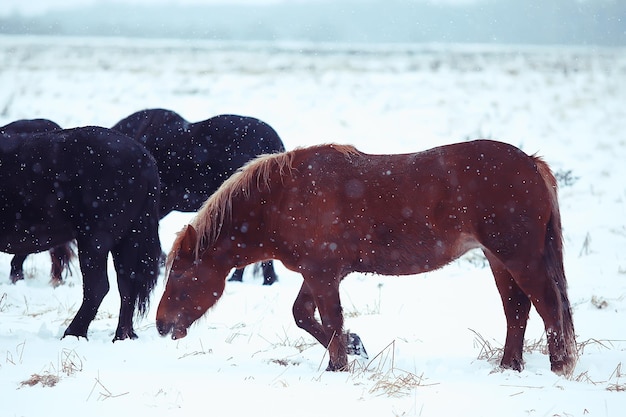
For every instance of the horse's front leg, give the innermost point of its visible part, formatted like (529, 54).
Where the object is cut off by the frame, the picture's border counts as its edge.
(304, 314)
(325, 297)
(93, 264)
(331, 313)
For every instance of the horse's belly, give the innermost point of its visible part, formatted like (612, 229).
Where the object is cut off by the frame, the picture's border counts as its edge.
(408, 258)
(35, 238)
(393, 263)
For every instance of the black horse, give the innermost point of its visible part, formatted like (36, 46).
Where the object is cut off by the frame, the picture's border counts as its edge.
(27, 127)
(61, 255)
(93, 185)
(195, 158)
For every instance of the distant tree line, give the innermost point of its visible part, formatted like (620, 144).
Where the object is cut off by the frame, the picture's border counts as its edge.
(590, 22)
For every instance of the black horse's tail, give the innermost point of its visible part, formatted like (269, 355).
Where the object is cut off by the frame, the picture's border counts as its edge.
(138, 254)
(554, 260)
(146, 239)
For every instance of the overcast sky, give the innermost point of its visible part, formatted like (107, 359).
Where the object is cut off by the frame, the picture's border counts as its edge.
(29, 7)
(544, 22)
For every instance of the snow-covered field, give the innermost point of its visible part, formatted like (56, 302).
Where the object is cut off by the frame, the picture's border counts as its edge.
(433, 339)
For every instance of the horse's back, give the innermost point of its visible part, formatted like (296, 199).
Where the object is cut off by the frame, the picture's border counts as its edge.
(150, 125)
(28, 127)
(244, 134)
(194, 158)
(428, 207)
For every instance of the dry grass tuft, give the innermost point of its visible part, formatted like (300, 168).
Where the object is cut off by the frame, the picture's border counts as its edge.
(285, 362)
(46, 380)
(619, 385)
(69, 364)
(599, 302)
(586, 247)
(388, 380)
(615, 382)
(104, 393)
(3, 302)
(19, 351)
(202, 351)
(487, 351)
(602, 344)
(396, 383)
(299, 343)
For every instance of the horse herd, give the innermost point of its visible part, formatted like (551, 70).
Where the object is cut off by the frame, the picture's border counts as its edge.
(324, 211)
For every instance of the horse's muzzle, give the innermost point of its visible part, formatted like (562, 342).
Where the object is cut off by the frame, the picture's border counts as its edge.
(164, 328)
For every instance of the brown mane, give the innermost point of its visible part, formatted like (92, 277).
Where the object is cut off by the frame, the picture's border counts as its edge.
(210, 218)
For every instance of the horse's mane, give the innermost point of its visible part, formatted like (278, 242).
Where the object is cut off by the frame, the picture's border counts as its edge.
(256, 173)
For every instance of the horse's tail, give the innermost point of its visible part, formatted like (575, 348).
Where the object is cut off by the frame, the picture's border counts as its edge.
(137, 255)
(149, 251)
(553, 255)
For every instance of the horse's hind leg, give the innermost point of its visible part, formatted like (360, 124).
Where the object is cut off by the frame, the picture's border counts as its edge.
(125, 274)
(17, 268)
(547, 293)
(93, 264)
(543, 293)
(516, 309)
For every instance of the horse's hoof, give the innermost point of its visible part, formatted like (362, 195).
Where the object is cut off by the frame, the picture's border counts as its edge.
(124, 334)
(56, 282)
(16, 277)
(77, 336)
(513, 364)
(336, 368)
(564, 367)
(354, 346)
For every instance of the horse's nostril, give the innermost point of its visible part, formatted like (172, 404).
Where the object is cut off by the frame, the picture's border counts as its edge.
(163, 328)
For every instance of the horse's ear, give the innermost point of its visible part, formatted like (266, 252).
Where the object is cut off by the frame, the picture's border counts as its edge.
(189, 240)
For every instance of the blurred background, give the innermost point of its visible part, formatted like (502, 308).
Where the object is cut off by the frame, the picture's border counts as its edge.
(533, 22)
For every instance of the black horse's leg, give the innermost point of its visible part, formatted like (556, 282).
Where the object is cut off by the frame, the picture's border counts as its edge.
(126, 268)
(267, 267)
(93, 264)
(269, 275)
(17, 268)
(237, 275)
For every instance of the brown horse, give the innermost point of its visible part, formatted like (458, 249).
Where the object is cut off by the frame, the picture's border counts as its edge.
(329, 210)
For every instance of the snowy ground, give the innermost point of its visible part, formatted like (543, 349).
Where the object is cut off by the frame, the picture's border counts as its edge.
(429, 336)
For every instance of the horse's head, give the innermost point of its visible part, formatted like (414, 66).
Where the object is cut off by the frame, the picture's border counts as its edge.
(193, 286)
